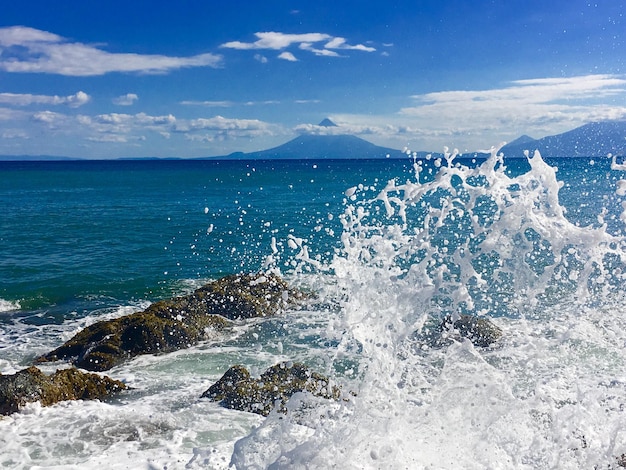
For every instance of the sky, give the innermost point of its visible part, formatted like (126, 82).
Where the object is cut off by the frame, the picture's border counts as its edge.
(198, 78)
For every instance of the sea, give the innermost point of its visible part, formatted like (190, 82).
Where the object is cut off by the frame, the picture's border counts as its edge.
(389, 248)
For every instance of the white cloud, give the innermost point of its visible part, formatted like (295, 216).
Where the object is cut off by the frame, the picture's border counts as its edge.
(126, 100)
(559, 103)
(28, 50)
(305, 46)
(261, 58)
(109, 139)
(277, 41)
(14, 134)
(472, 119)
(287, 56)
(340, 43)
(48, 117)
(219, 128)
(209, 104)
(320, 44)
(227, 104)
(25, 99)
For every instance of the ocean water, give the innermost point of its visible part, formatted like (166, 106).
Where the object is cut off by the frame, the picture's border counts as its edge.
(390, 247)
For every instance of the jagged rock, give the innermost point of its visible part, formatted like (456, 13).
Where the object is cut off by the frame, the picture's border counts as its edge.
(176, 323)
(479, 330)
(31, 385)
(239, 391)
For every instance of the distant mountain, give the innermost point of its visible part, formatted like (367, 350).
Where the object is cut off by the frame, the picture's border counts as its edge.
(321, 146)
(523, 140)
(327, 123)
(596, 139)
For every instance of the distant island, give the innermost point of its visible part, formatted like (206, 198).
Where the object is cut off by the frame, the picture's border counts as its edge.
(596, 139)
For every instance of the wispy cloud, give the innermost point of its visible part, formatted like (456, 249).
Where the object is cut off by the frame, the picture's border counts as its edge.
(320, 44)
(547, 104)
(126, 100)
(467, 118)
(25, 99)
(227, 104)
(29, 50)
(209, 103)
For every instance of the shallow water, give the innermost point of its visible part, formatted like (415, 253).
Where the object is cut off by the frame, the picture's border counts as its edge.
(390, 247)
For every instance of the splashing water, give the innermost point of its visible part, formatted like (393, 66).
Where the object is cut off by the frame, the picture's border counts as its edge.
(462, 240)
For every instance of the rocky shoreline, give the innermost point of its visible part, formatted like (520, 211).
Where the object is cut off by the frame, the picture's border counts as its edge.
(178, 323)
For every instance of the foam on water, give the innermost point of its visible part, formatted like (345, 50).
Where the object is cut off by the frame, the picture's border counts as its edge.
(468, 241)
(453, 239)
(8, 306)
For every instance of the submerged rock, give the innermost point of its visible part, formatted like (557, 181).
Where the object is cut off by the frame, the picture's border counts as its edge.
(31, 385)
(176, 323)
(239, 391)
(479, 330)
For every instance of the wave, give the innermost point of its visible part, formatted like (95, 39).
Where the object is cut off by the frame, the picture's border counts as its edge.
(461, 240)
(8, 306)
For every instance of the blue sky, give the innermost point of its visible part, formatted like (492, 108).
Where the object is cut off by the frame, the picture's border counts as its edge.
(205, 78)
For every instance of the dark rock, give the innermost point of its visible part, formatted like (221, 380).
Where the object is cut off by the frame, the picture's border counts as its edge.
(31, 385)
(176, 323)
(239, 391)
(479, 330)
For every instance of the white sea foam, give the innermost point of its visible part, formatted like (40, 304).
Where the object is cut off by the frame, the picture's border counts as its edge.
(8, 306)
(462, 240)
(480, 242)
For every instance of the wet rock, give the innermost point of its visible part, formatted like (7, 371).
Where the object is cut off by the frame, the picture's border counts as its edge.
(31, 385)
(480, 331)
(239, 391)
(176, 323)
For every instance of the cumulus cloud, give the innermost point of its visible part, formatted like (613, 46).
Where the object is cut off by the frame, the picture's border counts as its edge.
(261, 58)
(25, 99)
(288, 56)
(320, 44)
(126, 100)
(48, 117)
(29, 50)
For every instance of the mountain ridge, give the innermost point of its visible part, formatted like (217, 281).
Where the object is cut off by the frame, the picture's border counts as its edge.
(595, 139)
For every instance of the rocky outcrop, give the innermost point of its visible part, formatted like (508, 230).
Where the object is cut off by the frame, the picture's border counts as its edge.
(239, 391)
(480, 331)
(176, 323)
(31, 385)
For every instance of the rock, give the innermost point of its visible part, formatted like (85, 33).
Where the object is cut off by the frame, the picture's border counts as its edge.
(479, 330)
(239, 391)
(31, 385)
(176, 323)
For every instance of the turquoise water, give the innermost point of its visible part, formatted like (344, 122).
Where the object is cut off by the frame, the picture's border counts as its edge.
(75, 233)
(541, 252)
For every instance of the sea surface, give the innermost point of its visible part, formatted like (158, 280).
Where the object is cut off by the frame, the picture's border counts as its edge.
(390, 247)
